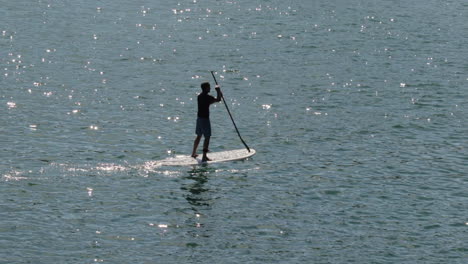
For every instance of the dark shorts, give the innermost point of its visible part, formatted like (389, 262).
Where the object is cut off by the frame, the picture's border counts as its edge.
(203, 127)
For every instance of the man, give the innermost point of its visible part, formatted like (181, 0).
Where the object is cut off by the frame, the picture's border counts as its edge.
(203, 120)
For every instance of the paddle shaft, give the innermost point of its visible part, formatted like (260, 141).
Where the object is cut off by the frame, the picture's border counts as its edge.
(230, 115)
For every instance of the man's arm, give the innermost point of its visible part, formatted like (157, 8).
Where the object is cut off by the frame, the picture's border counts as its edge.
(219, 94)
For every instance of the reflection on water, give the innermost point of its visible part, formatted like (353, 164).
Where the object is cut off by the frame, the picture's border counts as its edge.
(197, 196)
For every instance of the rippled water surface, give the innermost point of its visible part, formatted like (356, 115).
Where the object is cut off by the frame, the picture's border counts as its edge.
(357, 110)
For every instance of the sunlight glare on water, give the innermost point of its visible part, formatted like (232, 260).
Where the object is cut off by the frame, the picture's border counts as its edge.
(357, 112)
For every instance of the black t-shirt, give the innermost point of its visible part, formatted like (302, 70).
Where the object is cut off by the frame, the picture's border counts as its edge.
(204, 101)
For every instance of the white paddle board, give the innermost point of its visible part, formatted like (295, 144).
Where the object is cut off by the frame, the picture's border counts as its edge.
(229, 155)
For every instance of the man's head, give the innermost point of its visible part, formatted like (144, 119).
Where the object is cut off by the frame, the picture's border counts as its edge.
(206, 87)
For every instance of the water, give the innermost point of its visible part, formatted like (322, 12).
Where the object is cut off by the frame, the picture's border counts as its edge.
(357, 110)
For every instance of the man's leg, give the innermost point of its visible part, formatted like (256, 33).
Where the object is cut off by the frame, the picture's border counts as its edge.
(206, 144)
(195, 146)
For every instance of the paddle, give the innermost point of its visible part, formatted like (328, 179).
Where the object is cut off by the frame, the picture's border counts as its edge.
(229, 112)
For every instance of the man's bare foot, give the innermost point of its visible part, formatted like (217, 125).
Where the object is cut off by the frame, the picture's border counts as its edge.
(205, 159)
(194, 156)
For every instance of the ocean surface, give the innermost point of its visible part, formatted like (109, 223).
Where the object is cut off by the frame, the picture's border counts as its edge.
(357, 110)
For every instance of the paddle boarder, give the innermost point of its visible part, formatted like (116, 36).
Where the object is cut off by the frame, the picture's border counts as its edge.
(203, 127)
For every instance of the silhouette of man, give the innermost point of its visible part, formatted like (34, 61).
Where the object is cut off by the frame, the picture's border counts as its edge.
(203, 118)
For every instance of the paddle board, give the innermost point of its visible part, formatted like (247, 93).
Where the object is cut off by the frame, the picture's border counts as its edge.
(222, 156)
